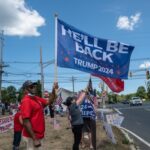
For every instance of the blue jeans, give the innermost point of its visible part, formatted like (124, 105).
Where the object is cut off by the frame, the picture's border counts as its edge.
(17, 138)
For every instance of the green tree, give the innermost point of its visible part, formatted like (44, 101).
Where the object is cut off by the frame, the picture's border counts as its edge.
(39, 92)
(141, 92)
(148, 90)
(112, 97)
(9, 94)
(5, 97)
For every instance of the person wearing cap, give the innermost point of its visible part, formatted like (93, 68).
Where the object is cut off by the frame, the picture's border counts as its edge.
(76, 119)
(32, 111)
(18, 126)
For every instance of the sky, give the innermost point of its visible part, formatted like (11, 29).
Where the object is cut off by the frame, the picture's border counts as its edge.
(29, 25)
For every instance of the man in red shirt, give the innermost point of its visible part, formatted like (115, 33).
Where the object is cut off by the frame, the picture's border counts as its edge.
(32, 111)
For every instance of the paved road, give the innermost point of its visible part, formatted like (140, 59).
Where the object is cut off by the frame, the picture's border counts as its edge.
(137, 120)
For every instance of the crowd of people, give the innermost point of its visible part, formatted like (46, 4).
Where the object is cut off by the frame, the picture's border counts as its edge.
(29, 120)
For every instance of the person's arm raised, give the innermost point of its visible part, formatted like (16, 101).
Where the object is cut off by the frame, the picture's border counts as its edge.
(81, 98)
(53, 94)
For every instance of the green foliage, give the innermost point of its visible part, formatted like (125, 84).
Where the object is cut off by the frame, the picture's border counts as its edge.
(39, 92)
(112, 97)
(9, 94)
(141, 92)
(5, 97)
(125, 141)
(148, 90)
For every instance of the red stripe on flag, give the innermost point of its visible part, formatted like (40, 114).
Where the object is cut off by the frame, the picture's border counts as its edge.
(116, 85)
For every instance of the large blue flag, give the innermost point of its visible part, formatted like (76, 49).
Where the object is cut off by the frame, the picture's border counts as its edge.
(81, 51)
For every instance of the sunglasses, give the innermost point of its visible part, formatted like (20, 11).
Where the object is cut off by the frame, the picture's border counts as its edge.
(32, 86)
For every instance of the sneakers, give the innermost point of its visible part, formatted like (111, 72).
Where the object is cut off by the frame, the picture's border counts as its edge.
(91, 147)
(15, 148)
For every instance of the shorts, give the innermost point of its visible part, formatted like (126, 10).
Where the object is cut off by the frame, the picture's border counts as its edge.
(29, 144)
(86, 125)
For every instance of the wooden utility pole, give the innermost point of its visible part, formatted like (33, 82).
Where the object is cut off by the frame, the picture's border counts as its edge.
(1, 61)
(42, 74)
(73, 83)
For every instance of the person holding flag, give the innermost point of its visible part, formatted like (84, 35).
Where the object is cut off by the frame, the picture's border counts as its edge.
(76, 119)
(89, 115)
(32, 112)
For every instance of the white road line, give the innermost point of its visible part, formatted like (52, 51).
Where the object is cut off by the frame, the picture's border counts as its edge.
(118, 111)
(147, 109)
(139, 138)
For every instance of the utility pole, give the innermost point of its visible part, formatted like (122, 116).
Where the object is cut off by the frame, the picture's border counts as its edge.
(42, 74)
(73, 79)
(1, 60)
(104, 94)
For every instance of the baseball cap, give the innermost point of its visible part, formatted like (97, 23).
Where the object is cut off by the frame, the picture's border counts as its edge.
(28, 83)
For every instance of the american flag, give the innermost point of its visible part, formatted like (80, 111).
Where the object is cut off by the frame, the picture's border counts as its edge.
(59, 100)
(89, 86)
(92, 92)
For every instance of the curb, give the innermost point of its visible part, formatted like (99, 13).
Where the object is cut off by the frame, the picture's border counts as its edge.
(132, 145)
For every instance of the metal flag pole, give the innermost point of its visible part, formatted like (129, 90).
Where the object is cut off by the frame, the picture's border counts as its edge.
(103, 95)
(55, 67)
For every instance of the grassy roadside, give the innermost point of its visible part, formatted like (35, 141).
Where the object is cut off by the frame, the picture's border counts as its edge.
(62, 139)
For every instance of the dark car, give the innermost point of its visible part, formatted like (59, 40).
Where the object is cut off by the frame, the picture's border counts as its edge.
(125, 102)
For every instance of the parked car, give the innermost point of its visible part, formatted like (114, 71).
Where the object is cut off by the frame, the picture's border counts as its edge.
(125, 101)
(135, 101)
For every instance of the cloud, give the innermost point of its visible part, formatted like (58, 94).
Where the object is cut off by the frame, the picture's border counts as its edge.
(16, 19)
(128, 23)
(145, 65)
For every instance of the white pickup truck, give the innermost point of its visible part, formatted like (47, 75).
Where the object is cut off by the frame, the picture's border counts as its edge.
(135, 101)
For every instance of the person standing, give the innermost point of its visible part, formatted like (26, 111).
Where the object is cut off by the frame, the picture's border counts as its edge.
(76, 119)
(3, 108)
(89, 118)
(18, 126)
(51, 111)
(32, 111)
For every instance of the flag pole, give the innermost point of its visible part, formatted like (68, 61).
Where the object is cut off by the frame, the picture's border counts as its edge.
(55, 67)
(104, 97)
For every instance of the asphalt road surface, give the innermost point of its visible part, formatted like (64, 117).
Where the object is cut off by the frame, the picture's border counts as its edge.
(137, 120)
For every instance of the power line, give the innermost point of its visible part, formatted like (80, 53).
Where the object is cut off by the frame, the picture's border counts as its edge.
(139, 59)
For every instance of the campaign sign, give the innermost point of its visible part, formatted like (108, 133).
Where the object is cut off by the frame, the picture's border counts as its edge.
(114, 119)
(6, 123)
(81, 51)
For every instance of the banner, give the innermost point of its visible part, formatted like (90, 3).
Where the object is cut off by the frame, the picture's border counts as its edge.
(114, 119)
(116, 85)
(109, 132)
(81, 51)
(6, 123)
